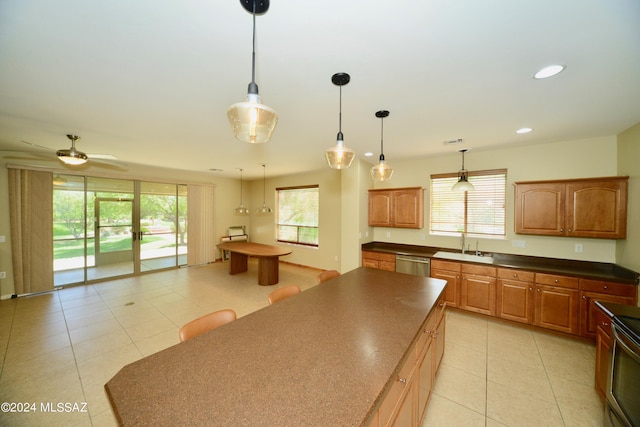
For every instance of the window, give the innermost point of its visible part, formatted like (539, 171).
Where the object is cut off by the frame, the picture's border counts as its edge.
(298, 215)
(480, 212)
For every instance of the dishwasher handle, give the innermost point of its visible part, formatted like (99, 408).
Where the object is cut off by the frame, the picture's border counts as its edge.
(412, 259)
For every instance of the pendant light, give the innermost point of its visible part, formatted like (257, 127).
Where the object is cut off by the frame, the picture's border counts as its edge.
(382, 171)
(252, 121)
(264, 210)
(340, 157)
(463, 183)
(72, 156)
(241, 210)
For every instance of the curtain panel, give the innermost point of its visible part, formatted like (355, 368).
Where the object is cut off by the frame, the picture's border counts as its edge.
(31, 218)
(201, 244)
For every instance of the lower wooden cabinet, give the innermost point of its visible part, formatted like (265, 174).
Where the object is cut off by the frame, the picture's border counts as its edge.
(515, 295)
(406, 401)
(597, 290)
(449, 271)
(478, 289)
(603, 351)
(379, 260)
(556, 303)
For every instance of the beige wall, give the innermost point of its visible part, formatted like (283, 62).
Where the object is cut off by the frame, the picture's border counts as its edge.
(628, 251)
(569, 159)
(343, 201)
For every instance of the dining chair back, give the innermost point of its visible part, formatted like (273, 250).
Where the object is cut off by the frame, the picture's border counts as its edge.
(283, 293)
(326, 275)
(206, 323)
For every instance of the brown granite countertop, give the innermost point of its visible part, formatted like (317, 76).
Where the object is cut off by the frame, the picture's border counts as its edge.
(584, 269)
(324, 357)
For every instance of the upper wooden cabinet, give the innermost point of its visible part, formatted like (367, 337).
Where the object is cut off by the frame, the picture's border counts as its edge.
(397, 207)
(594, 207)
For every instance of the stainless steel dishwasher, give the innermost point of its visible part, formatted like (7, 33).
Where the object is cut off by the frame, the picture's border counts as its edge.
(416, 265)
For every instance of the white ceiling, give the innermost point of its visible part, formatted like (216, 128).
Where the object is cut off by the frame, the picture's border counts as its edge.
(149, 81)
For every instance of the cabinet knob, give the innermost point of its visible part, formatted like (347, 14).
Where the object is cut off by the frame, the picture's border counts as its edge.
(515, 274)
(531, 289)
(427, 331)
(584, 297)
(538, 290)
(606, 287)
(570, 230)
(402, 380)
(562, 229)
(556, 281)
(605, 323)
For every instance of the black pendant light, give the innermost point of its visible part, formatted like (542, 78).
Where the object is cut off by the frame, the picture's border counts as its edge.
(382, 171)
(339, 156)
(252, 121)
(463, 183)
(264, 210)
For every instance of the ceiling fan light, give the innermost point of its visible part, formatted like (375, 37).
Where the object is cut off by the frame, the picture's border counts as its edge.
(72, 157)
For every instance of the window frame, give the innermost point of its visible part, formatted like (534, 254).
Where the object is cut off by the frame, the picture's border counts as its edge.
(498, 216)
(315, 227)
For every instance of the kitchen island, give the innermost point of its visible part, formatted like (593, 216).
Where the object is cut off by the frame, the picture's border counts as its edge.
(331, 355)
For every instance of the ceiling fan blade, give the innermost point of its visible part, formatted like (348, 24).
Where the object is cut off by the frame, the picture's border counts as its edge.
(102, 156)
(31, 144)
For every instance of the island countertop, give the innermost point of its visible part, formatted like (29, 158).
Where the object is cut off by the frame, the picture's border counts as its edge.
(324, 357)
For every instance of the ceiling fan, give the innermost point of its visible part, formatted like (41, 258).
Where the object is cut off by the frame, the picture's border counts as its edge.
(72, 156)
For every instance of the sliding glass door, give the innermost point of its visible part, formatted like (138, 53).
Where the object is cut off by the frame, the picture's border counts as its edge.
(107, 228)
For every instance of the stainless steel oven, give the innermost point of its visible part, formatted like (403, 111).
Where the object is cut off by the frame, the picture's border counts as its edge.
(623, 388)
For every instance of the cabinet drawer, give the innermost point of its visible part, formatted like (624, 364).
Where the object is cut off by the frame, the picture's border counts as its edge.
(603, 321)
(400, 382)
(480, 270)
(610, 288)
(445, 265)
(521, 275)
(555, 280)
(379, 256)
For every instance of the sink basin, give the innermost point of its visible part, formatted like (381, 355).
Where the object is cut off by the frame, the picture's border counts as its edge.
(464, 257)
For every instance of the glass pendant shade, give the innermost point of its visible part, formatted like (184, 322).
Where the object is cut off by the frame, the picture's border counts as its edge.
(264, 210)
(339, 156)
(251, 121)
(241, 210)
(382, 171)
(463, 183)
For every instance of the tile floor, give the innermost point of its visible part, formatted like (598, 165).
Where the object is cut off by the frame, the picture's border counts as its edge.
(63, 346)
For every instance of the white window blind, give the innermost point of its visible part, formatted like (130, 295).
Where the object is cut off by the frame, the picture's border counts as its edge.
(478, 212)
(298, 213)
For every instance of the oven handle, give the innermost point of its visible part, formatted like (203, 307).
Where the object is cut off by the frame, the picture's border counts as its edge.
(622, 339)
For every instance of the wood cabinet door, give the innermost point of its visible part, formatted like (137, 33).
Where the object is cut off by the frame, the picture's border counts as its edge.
(408, 208)
(478, 294)
(452, 291)
(589, 310)
(557, 309)
(380, 209)
(540, 209)
(597, 209)
(514, 300)
(603, 352)
(425, 377)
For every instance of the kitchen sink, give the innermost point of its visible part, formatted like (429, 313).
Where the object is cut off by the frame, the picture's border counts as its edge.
(464, 257)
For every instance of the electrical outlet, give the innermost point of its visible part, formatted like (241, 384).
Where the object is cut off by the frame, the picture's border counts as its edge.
(3, 239)
(3, 275)
(518, 243)
(578, 248)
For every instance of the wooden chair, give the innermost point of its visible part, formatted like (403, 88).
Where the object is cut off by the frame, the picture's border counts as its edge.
(283, 293)
(206, 323)
(326, 275)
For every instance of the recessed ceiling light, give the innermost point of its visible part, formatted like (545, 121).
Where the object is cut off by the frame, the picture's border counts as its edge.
(549, 71)
(368, 154)
(524, 130)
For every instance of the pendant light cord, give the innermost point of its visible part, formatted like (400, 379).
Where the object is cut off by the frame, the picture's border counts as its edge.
(382, 136)
(253, 51)
(340, 114)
